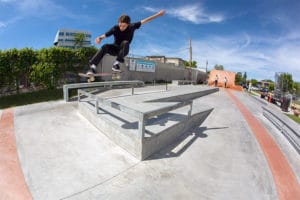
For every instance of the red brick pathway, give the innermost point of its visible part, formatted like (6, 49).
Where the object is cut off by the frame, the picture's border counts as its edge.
(286, 182)
(12, 182)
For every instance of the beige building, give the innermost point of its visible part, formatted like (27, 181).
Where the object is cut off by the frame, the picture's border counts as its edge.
(163, 59)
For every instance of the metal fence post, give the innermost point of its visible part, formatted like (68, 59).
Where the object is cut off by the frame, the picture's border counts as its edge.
(66, 93)
(132, 89)
(142, 126)
(96, 105)
(78, 95)
(190, 111)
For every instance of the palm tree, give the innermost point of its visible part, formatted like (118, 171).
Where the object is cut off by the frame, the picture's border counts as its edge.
(79, 38)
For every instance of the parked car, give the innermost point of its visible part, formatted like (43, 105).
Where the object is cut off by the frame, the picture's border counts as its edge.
(244, 85)
(254, 88)
(264, 92)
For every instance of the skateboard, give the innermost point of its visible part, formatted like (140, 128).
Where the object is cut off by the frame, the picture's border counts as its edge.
(91, 78)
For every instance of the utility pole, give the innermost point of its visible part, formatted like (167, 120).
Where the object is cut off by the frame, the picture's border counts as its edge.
(191, 52)
(206, 66)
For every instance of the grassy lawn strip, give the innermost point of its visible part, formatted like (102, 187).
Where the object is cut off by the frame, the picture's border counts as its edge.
(293, 117)
(30, 98)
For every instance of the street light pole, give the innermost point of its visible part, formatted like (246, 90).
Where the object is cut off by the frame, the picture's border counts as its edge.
(191, 52)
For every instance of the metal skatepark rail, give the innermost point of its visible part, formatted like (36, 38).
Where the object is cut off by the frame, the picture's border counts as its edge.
(108, 84)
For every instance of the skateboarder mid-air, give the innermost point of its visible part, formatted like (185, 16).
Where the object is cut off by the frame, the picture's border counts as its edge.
(123, 35)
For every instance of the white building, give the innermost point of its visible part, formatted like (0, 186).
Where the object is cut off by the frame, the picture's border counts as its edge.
(66, 38)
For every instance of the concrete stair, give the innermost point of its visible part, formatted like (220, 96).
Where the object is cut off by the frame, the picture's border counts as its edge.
(145, 123)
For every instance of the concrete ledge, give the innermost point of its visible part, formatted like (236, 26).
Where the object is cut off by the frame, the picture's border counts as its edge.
(288, 127)
(125, 133)
(145, 129)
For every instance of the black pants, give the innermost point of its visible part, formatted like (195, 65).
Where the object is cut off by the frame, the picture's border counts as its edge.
(112, 49)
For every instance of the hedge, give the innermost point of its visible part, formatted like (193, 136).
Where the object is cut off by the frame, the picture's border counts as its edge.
(45, 67)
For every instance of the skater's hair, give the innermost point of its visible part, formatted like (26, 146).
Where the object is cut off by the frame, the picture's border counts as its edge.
(124, 19)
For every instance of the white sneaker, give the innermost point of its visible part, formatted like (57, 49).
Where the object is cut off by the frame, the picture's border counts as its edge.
(116, 67)
(93, 67)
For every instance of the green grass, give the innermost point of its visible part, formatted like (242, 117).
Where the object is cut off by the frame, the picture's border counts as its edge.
(30, 98)
(293, 117)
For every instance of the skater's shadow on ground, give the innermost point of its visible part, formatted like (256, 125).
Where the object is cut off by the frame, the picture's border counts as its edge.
(182, 143)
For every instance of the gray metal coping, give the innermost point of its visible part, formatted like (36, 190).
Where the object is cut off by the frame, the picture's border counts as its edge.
(67, 87)
(289, 128)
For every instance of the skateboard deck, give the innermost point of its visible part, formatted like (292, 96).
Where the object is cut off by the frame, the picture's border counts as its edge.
(96, 75)
(91, 77)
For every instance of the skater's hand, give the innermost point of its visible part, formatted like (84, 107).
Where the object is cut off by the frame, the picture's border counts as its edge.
(98, 40)
(161, 13)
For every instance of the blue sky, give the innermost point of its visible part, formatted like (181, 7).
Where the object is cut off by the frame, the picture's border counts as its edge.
(259, 37)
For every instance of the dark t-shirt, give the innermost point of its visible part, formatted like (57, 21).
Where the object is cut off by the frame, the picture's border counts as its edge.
(127, 34)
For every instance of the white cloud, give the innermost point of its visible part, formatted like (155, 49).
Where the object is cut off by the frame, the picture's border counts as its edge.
(151, 9)
(259, 56)
(192, 13)
(259, 62)
(237, 53)
(2, 24)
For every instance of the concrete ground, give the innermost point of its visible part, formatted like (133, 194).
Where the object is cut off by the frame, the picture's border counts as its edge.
(63, 156)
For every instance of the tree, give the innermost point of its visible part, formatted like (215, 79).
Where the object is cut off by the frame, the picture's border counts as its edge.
(238, 78)
(79, 38)
(254, 82)
(45, 74)
(286, 82)
(188, 64)
(271, 86)
(27, 57)
(297, 88)
(245, 77)
(219, 67)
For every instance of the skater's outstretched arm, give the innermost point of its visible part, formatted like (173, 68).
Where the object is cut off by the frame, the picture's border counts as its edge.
(148, 19)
